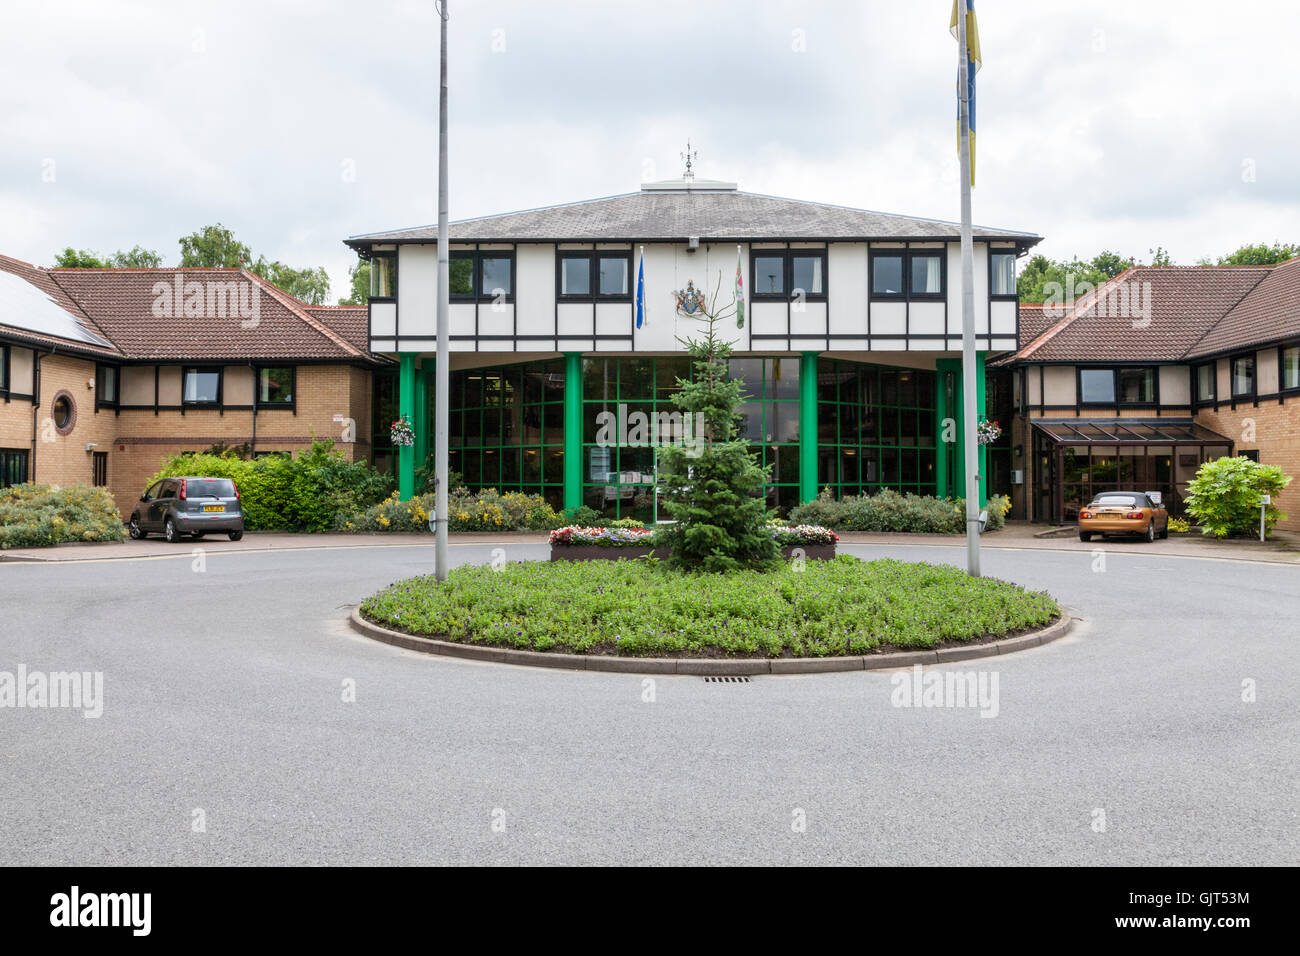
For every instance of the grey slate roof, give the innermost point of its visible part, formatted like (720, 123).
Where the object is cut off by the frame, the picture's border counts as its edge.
(669, 215)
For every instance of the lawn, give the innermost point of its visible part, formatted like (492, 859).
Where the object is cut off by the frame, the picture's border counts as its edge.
(644, 608)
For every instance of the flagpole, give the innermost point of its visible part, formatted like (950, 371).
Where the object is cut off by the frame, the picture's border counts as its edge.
(969, 402)
(442, 372)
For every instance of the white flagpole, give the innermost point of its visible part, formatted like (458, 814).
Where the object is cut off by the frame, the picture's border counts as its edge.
(442, 373)
(969, 405)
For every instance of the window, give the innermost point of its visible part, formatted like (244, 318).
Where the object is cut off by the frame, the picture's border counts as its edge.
(64, 413)
(4, 368)
(927, 271)
(1205, 382)
(1002, 275)
(1137, 386)
(275, 386)
(1251, 453)
(887, 276)
(789, 274)
(383, 275)
(202, 386)
(908, 275)
(482, 276)
(769, 275)
(99, 466)
(106, 385)
(1096, 386)
(13, 466)
(595, 275)
(1243, 376)
(1290, 377)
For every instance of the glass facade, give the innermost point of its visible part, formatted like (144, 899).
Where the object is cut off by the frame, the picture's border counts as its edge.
(875, 428)
(506, 428)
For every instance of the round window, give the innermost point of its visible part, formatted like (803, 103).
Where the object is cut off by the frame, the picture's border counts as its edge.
(63, 412)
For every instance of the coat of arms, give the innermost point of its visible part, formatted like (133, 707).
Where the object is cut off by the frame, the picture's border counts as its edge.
(690, 301)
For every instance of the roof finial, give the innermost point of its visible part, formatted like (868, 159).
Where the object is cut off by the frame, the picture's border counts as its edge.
(689, 155)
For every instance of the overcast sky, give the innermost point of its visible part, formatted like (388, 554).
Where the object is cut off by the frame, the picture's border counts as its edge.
(1121, 125)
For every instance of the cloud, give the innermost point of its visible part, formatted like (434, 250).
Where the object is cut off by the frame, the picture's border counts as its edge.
(298, 124)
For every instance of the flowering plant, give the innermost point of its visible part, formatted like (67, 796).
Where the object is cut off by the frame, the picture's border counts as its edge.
(606, 537)
(802, 534)
(401, 433)
(987, 432)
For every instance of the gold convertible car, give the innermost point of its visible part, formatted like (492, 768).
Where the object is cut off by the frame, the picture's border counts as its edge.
(1125, 512)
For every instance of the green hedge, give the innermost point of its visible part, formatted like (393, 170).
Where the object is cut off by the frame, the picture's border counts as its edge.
(315, 490)
(888, 510)
(34, 516)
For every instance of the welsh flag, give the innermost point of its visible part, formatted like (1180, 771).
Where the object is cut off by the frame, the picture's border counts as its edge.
(740, 293)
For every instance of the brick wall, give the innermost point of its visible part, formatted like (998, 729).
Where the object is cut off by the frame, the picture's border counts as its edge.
(1276, 429)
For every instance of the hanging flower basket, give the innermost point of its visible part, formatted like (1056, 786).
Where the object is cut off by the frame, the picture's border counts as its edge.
(988, 432)
(401, 433)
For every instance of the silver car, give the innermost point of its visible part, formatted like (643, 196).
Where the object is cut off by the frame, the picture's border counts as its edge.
(194, 506)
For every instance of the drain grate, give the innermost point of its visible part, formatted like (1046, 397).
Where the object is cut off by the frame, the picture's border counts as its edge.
(727, 679)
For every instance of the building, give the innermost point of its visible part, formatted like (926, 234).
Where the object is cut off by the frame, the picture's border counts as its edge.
(105, 372)
(1146, 377)
(850, 350)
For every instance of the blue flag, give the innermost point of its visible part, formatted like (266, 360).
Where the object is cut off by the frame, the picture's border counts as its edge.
(640, 290)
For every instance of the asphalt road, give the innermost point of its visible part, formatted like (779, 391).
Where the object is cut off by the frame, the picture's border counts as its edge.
(224, 693)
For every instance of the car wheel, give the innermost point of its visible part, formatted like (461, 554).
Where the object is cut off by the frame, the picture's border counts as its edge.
(236, 535)
(1164, 532)
(137, 533)
(170, 532)
(1151, 530)
(1085, 535)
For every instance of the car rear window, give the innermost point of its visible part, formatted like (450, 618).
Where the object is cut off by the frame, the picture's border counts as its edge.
(1127, 500)
(210, 488)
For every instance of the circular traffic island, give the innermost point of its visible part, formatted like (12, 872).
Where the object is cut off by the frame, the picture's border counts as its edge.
(646, 616)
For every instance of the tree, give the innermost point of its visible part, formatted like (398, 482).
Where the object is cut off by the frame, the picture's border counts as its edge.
(1260, 255)
(309, 285)
(137, 257)
(360, 275)
(213, 247)
(1224, 496)
(713, 486)
(1160, 256)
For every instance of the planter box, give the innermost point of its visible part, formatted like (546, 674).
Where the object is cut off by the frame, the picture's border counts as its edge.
(596, 552)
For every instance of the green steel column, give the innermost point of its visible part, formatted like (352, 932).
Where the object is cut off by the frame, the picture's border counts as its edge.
(807, 426)
(942, 431)
(572, 429)
(406, 409)
(421, 420)
(981, 407)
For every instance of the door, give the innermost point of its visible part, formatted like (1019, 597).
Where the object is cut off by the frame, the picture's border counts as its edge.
(158, 507)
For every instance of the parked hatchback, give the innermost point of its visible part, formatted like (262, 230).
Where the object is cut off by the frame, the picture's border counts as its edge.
(195, 506)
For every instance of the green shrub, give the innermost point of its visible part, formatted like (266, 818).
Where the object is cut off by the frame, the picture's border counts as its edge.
(316, 490)
(581, 517)
(1179, 526)
(890, 511)
(486, 510)
(1224, 496)
(34, 516)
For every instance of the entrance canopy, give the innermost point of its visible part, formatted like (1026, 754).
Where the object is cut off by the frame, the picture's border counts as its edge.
(1128, 431)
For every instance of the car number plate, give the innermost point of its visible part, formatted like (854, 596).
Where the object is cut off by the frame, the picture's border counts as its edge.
(214, 507)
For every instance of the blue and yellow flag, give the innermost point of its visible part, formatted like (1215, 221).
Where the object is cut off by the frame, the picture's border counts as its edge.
(973, 63)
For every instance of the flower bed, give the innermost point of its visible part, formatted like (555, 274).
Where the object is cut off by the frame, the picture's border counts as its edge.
(612, 544)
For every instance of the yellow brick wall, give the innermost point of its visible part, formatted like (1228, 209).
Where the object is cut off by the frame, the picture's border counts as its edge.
(137, 440)
(1276, 434)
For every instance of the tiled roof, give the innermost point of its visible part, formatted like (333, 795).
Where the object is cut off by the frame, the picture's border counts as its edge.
(724, 214)
(140, 312)
(19, 327)
(1268, 312)
(1147, 313)
(351, 322)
